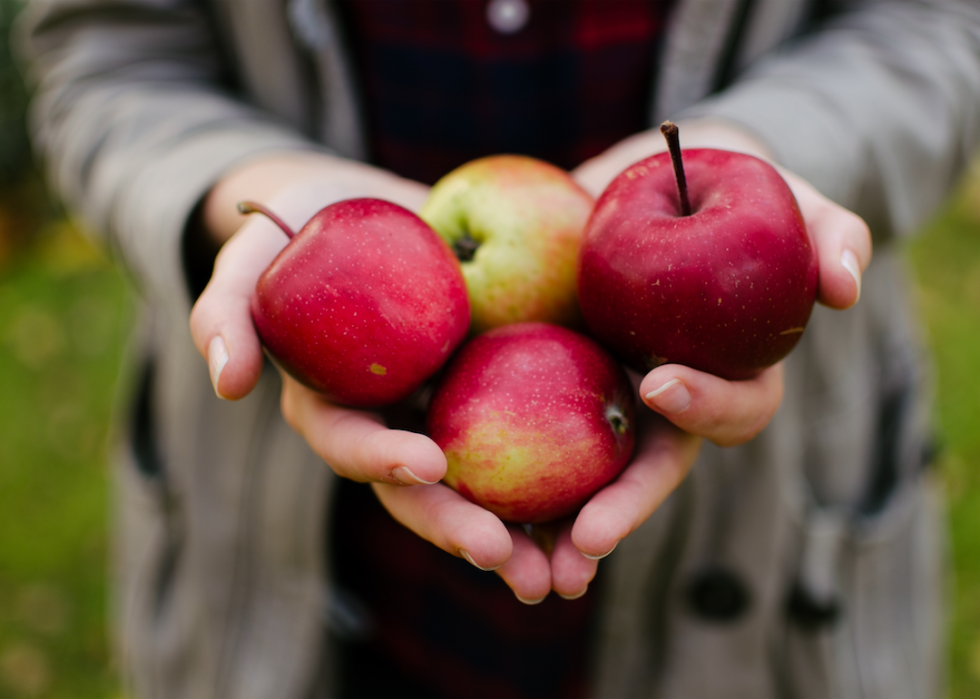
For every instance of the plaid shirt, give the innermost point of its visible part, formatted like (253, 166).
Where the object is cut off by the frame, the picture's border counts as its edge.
(442, 87)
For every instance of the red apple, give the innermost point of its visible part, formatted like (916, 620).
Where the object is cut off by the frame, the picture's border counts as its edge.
(533, 419)
(726, 287)
(515, 223)
(364, 304)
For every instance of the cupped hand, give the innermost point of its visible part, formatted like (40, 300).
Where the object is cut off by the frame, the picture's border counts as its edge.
(700, 403)
(689, 404)
(295, 186)
(356, 444)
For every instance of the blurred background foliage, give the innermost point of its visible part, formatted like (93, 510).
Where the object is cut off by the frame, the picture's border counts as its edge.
(13, 100)
(65, 315)
(946, 262)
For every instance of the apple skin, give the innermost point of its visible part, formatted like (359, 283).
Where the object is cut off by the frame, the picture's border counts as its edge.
(533, 419)
(364, 304)
(526, 216)
(727, 290)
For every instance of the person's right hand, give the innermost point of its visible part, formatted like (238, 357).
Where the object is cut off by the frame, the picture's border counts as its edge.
(356, 444)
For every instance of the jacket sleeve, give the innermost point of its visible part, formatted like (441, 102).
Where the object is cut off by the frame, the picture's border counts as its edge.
(879, 108)
(134, 119)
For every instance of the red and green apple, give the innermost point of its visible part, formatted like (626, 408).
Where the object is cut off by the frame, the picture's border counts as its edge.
(364, 303)
(515, 224)
(533, 418)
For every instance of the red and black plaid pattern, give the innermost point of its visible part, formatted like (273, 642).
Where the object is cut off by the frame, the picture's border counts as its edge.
(440, 628)
(442, 87)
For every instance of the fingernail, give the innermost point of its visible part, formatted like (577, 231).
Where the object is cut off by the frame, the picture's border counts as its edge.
(529, 602)
(849, 261)
(575, 596)
(217, 358)
(404, 475)
(601, 555)
(672, 398)
(466, 554)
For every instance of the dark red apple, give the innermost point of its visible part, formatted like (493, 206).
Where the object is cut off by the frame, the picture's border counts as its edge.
(364, 304)
(533, 419)
(726, 287)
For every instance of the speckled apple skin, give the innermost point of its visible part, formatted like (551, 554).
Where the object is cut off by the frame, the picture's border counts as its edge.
(523, 416)
(727, 290)
(528, 216)
(364, 304)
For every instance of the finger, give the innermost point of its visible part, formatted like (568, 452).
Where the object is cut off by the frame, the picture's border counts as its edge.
(527, 572)
(726, 412)
(571, 572)
(444, 518)
(843, 243)
(663, 458)
(221, 320)
(356, 444)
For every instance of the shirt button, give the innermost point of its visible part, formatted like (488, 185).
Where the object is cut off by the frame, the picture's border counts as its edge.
(508, 16)
(811, 612)
(717, 594)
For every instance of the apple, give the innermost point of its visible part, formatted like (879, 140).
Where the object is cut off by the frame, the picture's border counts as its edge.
(724, 285)
(364, 304)
(515, 224)
(533, 419)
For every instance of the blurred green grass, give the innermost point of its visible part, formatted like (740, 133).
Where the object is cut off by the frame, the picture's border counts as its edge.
(946, 263)
(65, 313)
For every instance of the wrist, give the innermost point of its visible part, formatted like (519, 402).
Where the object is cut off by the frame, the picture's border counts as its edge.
(598, 172)
(298, 184)
(708, 132)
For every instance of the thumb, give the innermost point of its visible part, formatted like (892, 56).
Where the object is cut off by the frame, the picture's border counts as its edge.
(843, 243)
(221, 320)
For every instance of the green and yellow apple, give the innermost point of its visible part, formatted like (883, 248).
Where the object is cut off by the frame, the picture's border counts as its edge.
(515, 224)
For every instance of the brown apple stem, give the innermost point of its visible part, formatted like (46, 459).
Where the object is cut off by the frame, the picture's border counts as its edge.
(671, 133)
(250, 207)
(465, 247)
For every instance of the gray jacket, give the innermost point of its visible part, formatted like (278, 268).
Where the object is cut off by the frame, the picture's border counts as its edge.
(805, 563)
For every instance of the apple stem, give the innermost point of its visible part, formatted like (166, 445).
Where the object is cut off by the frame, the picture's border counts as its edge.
(250, 207)
(671, 133)
(465, 247)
